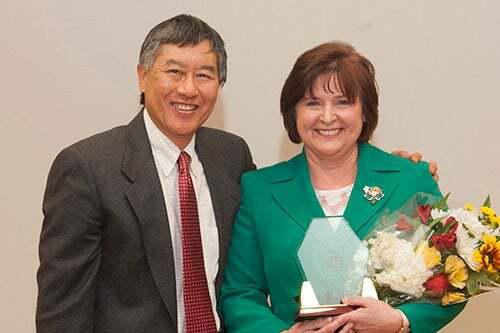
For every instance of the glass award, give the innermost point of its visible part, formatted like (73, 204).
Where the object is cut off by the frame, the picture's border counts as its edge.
(333, 260)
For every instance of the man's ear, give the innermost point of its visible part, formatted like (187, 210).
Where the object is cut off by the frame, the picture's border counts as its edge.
(141, 77)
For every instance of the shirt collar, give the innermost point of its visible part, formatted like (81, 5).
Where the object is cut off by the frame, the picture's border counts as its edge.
(167, 152)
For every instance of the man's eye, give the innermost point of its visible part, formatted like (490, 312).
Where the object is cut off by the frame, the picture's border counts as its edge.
(173, 71)
(204, 76)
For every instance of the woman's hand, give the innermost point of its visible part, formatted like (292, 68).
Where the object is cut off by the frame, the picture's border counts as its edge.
(373, 316)
(322, 325)
(311, 326)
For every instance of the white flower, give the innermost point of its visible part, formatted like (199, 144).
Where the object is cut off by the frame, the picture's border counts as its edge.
(408, 278)
(466, 244)
(470, 221)
(469, 233)
(438, 213)
(393, 263)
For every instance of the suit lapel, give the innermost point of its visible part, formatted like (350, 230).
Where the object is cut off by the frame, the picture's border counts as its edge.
(225, 194)
(373, 170)
(146, 198)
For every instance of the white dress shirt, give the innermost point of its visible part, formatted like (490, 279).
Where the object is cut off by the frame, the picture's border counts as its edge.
(165, 154)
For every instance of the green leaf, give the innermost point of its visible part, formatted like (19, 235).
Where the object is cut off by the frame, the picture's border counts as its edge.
(487, 202)
(433, 224)
(481, 277)
(442, 204)
(472, 286)
(493, 277)
(448, 227)
(438, 270)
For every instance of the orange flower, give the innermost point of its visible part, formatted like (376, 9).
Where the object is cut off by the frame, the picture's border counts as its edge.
(488, 254)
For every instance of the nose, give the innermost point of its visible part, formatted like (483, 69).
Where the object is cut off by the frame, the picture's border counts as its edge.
(188, 87)
(328, 115)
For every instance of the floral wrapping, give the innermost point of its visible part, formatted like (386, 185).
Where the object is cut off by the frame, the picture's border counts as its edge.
(427, 252)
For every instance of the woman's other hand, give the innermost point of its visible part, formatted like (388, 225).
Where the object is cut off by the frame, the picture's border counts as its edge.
(417, 157)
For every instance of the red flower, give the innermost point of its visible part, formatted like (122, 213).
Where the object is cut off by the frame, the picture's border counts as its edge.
(437, 285)
(446, 241)
(450, 220)
(424, 212)
(402, 224)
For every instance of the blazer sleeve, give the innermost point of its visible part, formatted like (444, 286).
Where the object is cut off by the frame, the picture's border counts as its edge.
(69, 247)
(243, 300)
(426, 317)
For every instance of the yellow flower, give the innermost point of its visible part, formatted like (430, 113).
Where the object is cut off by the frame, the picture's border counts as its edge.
(470, 207)
(487, 211)
(490, 216)
(488, 254)
(494, 221)
(456, 270)
(431, 255)
(452, 297)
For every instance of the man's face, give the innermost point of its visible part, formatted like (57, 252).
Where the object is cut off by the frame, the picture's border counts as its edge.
(180, 89)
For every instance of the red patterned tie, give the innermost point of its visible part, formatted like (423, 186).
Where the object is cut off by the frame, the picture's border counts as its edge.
(197, 304)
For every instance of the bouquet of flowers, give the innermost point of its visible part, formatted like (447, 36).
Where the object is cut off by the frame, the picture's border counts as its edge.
(428, 252)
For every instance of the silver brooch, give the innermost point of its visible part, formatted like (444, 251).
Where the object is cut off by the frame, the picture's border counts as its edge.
(373, 194)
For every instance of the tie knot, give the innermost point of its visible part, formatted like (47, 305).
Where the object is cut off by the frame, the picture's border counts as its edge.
(183, 161)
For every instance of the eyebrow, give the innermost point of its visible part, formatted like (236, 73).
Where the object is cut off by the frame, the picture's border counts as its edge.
(174, 62)
(209, 68)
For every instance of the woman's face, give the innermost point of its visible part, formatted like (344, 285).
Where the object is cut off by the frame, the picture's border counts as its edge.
(328, 124)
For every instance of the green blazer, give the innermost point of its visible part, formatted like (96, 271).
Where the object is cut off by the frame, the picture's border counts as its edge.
(263, 275)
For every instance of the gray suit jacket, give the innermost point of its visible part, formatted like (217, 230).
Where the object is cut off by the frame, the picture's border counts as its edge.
(106, 262)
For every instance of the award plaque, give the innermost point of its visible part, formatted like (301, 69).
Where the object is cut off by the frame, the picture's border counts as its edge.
(333, 260)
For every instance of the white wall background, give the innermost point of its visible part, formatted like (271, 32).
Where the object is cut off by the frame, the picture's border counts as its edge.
(69, 71)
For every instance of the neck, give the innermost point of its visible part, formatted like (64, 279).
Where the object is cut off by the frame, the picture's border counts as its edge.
(181, 141)
(333, 173)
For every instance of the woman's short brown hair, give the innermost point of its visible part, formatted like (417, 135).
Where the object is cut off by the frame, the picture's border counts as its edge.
(355, 77)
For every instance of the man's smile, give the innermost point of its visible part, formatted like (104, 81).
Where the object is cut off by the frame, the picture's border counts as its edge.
(182, 107)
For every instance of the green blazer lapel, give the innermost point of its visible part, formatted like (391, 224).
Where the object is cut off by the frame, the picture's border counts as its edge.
(292, 189)
(374, 169)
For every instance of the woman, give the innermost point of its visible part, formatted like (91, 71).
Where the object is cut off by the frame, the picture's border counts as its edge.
(330, 103)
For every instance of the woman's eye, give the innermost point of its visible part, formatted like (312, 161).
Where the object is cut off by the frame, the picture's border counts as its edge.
(344, 101)
(312, 103)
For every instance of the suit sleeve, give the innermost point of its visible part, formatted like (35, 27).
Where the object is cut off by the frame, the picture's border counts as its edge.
(425, 317)
(69, 247)
(249, 164)
(244, 293)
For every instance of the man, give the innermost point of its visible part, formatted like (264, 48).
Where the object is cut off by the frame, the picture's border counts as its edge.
(137, 219)
(110, 248)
